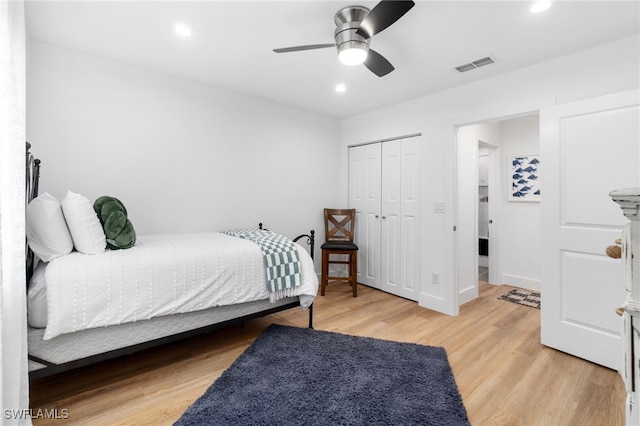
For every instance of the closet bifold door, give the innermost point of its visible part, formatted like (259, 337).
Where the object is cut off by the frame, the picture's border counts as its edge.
(383, 188)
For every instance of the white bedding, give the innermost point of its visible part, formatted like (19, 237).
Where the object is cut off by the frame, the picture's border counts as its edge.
(160, 275)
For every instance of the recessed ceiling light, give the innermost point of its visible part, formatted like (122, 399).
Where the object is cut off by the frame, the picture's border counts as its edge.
(341, 88)
(182, 30)
(541, 5)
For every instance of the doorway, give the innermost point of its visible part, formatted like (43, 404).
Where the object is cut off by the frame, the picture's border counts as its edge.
(490, 236)
(477, 154)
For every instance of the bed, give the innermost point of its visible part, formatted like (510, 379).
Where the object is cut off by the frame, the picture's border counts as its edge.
(86, 308)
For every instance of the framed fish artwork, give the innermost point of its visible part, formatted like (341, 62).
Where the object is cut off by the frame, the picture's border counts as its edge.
(524, 182)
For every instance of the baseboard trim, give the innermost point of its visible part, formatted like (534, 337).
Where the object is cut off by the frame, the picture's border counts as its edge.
(467, 294)
(435, 303)
(522, 282)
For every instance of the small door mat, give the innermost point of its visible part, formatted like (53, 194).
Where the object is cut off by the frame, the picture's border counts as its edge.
(523, 297)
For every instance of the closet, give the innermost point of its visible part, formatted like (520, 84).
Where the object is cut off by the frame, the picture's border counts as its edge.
(383, 188)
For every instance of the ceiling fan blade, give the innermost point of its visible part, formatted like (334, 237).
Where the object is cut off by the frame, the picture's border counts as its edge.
(377, 64)
(383, 15)
(299, 48)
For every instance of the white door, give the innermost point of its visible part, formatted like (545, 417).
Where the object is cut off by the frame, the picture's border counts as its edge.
(399, 252)
(364, 196)
(588, 148)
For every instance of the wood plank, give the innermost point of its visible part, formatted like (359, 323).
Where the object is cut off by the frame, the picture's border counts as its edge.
(504, 374)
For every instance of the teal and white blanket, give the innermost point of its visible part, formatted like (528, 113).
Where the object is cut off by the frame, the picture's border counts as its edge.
(280, 259)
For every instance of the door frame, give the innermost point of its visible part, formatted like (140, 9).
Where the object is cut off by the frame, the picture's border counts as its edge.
(450, 303)
(467, 215)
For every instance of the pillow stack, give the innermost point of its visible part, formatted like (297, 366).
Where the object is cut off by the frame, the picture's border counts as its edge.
(54, 228)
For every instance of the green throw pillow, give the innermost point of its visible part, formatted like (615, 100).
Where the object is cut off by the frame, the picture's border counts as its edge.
(117, 227)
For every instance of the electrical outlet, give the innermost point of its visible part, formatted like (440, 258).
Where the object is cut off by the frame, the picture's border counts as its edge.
(435, 278)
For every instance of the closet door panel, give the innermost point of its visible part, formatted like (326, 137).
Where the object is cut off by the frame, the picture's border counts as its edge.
(390, 268)
(364, 196)
(409, 227)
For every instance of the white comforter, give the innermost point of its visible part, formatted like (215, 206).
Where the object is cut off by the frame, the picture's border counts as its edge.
(160, 275)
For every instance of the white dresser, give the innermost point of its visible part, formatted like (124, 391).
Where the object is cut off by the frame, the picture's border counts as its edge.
(629, 201)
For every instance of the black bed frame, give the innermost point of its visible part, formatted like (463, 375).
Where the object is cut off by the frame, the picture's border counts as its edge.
(32, 181)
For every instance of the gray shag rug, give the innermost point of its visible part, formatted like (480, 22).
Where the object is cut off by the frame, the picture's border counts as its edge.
(300, 376)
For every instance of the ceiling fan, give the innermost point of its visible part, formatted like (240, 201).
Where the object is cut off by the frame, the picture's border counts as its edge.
(355, 26)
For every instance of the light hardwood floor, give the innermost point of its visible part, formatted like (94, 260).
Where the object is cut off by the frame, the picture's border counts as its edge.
(505, 376)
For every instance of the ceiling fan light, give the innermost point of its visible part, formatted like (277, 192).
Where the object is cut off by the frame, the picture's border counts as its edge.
(352, 56)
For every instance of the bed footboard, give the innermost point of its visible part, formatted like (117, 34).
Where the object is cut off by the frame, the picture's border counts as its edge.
(311, 239)
(311, 242)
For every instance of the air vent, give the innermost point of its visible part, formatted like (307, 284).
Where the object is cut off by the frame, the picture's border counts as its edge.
(475, 64)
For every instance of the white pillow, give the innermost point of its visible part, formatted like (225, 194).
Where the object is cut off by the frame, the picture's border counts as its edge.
(47, 232)
(84, 225)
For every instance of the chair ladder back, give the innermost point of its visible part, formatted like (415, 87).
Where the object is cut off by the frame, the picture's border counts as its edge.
(339, 224)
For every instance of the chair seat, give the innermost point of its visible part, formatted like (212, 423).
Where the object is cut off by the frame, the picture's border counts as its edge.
(339, 245)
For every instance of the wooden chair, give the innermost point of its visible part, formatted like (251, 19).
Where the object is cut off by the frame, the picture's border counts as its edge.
(339, 227)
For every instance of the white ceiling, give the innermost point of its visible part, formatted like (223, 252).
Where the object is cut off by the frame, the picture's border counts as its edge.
(231, 43)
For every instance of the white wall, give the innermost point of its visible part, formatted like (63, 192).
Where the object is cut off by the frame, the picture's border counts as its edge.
(606, 69)
(520, 221)
(182, 156)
